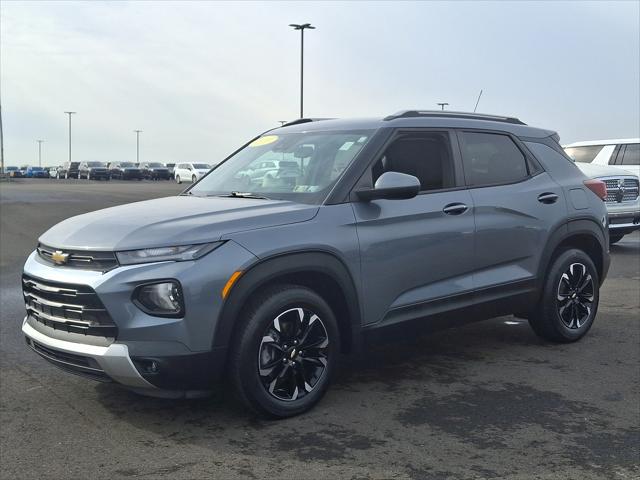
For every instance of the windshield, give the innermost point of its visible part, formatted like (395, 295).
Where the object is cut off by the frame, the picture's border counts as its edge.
(36, 168)
(201, 166)
(155, 165)
(291, 166)
(95, 164)
(127, 164)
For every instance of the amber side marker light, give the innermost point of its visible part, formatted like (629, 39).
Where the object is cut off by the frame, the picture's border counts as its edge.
(598, 187)
(232, 280)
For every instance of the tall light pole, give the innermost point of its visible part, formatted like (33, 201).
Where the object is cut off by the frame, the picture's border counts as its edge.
(39, 152)
(442, 104)
(137, 145)
(69, 113)
(302, 28)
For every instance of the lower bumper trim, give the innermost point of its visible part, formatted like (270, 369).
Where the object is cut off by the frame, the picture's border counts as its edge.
(113, 360)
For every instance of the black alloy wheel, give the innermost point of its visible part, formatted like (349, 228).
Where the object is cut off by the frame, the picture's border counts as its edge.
(568, 303)
(293, 354)
(284, 351)
(575, 296)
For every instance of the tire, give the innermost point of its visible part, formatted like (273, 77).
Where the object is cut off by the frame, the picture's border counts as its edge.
(264, 384)
(569, 303)
(194, 179)
(615, 238)
(178, 179)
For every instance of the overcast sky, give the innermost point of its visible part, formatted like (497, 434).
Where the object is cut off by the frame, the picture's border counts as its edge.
(200, 78)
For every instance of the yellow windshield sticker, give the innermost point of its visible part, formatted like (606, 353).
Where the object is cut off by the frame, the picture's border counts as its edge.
(266, 140)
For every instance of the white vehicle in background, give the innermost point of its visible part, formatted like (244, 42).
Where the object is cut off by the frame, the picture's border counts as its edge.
(190, 171)
(622, 201)
(621, 153)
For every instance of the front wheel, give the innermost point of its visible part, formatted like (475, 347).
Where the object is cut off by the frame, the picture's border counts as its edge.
(193, 179)
(615, 239)
(284, 352)
(178, 179)
(570, 297)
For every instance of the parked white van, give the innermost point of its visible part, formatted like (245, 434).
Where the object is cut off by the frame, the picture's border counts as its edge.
(190, 171)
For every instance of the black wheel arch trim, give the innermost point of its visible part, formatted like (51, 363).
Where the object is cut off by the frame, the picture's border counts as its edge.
(269, 269)
(578, 226)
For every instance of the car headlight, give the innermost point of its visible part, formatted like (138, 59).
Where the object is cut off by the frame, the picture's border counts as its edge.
(179, 253)
(162, 298)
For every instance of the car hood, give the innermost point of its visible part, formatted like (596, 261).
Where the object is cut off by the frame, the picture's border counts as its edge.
(170, 221)
(595, 171)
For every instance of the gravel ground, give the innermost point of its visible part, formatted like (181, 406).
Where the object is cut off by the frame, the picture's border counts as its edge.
(483, 401)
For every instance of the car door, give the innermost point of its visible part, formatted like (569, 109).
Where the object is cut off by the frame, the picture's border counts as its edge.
(517, 206)
(417, 253)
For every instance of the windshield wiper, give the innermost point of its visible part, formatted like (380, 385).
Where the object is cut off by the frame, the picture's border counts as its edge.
(242, 195)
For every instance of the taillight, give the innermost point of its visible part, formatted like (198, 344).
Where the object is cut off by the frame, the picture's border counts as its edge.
(598, 187)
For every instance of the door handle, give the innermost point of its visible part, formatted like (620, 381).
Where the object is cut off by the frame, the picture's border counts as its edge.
(548, 197)
(455, 209)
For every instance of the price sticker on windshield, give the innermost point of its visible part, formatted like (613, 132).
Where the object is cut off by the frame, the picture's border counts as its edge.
(266, 140)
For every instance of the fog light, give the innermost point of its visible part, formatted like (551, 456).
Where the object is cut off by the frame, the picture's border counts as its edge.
(160, 299)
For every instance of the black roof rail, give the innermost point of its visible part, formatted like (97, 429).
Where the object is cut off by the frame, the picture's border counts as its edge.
(304, 120)
(450, 114)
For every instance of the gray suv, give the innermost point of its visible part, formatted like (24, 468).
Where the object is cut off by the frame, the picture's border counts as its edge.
(413, 222)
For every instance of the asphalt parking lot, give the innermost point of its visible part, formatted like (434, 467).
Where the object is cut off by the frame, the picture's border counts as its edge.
(483, 401)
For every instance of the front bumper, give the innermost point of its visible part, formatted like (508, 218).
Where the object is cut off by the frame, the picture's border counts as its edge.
(95, 361)
(623, 221)
(187, 360)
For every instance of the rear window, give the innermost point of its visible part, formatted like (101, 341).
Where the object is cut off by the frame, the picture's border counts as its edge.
(631, 154)
(584, 154)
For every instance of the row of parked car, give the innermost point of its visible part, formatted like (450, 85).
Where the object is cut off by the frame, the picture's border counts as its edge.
(116, 170)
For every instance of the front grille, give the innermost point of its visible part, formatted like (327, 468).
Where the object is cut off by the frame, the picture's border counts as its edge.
(87, 260)
(67, 307)
(78, 364)
(616, 194)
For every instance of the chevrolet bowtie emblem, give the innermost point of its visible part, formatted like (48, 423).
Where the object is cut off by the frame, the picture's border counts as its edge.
(59, 257)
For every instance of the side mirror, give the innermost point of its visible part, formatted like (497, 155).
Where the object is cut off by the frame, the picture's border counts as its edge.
(392, 186)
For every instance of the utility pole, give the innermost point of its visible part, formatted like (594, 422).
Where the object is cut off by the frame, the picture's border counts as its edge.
(137, 145)
(442, 104)
(477, 101)
(302, 28)
(69, 113)
(1, 144)
(39, 152)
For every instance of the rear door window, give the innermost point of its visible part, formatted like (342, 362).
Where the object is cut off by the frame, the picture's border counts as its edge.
(631, 154)
(492, 159)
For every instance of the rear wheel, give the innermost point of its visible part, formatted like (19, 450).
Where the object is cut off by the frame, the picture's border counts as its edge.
(193, 179)
(284, 353)
(615, 239)
(569, 300)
